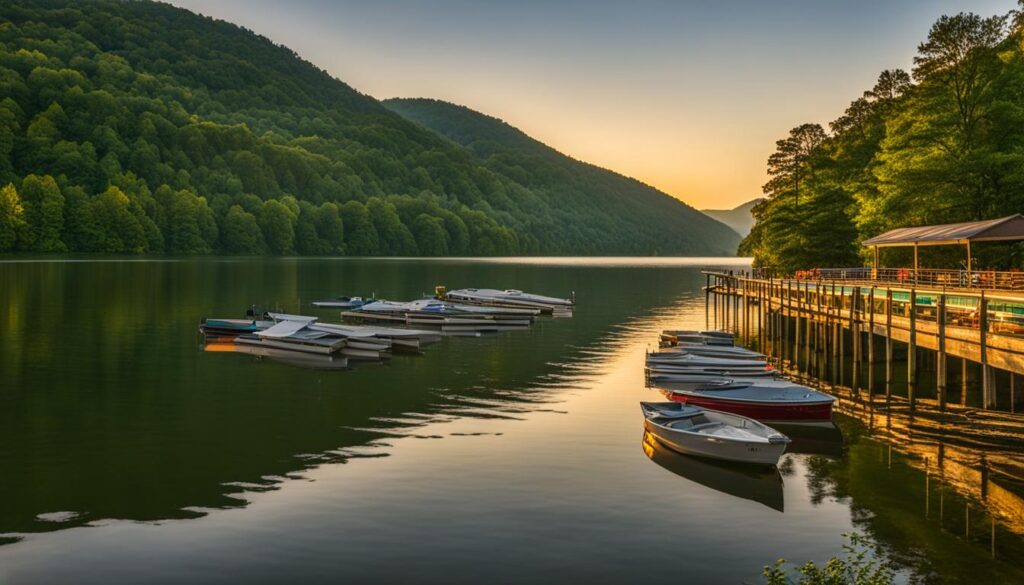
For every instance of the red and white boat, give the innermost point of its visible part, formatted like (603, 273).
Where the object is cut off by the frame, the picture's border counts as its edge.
(772, 402)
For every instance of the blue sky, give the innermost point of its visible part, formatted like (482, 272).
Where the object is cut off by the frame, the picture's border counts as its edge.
(689, 96)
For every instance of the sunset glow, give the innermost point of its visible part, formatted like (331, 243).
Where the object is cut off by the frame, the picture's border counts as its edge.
(688, 97)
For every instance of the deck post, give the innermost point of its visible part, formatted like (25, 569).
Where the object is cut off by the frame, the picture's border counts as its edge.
(808, 320)
(834, 313)
(796, 333)
(855, 340)
(987, 381)
(912, 351)
(888, 344)
(963, 381)
(842, 335)
(786, 300)
(871, 342)
(940, 356)
(707, 299)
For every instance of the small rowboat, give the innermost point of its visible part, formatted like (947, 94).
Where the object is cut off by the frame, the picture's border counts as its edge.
(708, 433)
(776, 402)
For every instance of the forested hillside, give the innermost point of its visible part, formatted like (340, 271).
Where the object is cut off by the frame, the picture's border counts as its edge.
(630, 215)
(942, 144)
(137, 127)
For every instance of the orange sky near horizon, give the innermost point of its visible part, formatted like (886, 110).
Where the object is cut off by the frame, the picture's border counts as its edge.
(689, 96)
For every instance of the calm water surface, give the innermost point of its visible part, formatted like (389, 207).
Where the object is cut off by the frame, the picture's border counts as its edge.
(128, 453)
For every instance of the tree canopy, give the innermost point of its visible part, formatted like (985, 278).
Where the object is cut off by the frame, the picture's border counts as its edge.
(943, 144)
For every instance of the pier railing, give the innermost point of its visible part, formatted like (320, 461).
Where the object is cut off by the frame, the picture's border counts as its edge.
(929, 277)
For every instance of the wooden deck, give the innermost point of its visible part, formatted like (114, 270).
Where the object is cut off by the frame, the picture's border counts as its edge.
(803, 319)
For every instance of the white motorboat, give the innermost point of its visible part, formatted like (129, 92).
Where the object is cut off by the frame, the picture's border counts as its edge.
(507, 297)
(712, 363)
(717, 435)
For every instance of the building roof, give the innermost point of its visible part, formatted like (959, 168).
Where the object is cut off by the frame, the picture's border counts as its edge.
(1010, 227)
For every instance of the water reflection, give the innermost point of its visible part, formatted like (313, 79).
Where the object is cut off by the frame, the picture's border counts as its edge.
(813, 439)
(756, 483)
(109, 410)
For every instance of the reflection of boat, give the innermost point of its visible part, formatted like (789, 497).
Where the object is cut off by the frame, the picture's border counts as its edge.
(284, 356)
(760, 484)
(709, 433)
(773, 402)
(342, 303)
(813, 439)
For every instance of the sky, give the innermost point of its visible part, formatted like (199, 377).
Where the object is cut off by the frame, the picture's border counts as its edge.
(688, 96)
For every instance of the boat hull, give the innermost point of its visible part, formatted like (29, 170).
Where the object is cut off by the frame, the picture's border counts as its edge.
(790, 412)
(712, 447)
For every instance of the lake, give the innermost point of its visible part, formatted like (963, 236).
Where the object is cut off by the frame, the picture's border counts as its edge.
(128, 453)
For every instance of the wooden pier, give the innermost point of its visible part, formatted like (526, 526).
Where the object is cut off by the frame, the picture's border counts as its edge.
(856, 333)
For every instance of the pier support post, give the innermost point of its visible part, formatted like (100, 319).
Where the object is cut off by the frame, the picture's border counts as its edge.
(707, 301)
(988, 393)
(835, 313)
(787, 312)
(808, 320)
(797, 348)
(871, 342)
(912, 351)
(940, 356)
(963, 381)
(888, 345)
(855, 341)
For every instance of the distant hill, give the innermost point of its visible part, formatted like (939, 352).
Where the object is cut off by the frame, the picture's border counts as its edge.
(637, 217)
(139, 127)
(739, 218)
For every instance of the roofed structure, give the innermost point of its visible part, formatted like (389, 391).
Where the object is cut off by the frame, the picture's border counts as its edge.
(1010, 227)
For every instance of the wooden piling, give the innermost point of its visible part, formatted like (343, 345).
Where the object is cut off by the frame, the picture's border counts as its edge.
(912, 352)
(871, 342)
(940, 355)
(888, 345)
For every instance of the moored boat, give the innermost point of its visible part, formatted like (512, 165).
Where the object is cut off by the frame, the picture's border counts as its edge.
(708, 433)
(781, 403)
(342, 303)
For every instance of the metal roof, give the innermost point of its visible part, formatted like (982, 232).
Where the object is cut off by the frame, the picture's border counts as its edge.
(1010, 227)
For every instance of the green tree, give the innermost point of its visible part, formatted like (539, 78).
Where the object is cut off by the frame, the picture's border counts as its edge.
(44, 214)
(431, 237)
(12, 218)
(277, 223)
(360, 235)
(241, 234)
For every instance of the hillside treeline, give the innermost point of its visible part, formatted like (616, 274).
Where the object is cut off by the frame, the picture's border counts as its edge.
(137, 127)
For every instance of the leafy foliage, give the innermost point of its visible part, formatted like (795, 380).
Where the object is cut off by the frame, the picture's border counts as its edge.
(854, 568)
(137, 127)
(941, 147)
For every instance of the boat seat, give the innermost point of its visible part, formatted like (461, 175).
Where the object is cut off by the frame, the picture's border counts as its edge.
(706, 425)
